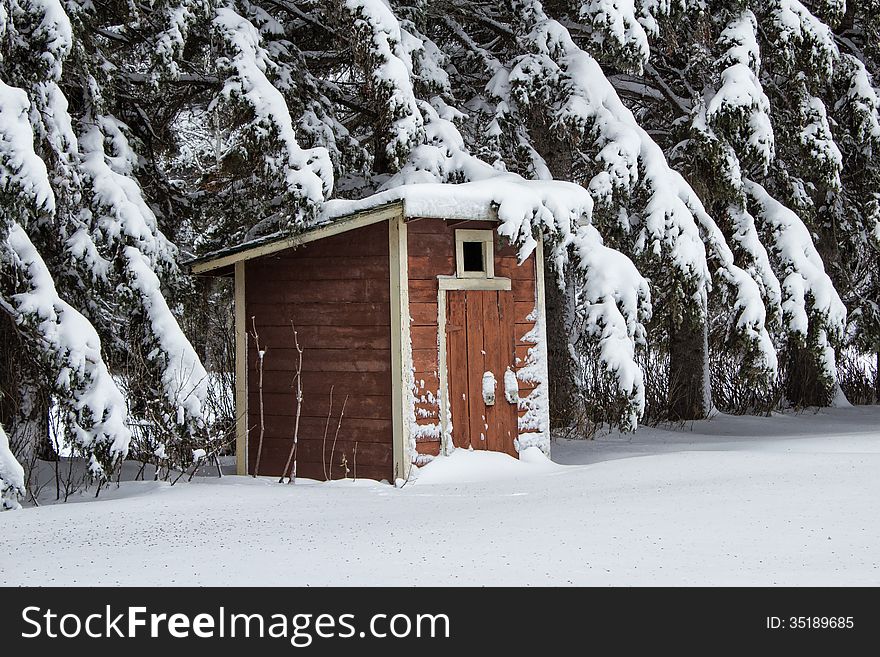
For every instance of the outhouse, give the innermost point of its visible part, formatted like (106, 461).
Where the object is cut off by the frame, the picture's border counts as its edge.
(419, 333)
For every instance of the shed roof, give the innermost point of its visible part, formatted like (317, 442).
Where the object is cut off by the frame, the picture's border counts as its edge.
(426, 200)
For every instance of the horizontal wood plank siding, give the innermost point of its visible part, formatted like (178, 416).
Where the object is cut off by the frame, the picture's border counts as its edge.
(335, 291)
(320, 269)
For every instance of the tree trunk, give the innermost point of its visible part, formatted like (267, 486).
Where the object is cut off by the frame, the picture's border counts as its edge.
(24, 405)
(10, 370)
(804, 384)
(564, 397)
(687, 396)
(31, 425)
(846, 23)
(877, 379)
(566, 402)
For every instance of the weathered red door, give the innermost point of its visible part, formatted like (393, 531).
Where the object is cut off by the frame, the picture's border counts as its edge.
(480, 348)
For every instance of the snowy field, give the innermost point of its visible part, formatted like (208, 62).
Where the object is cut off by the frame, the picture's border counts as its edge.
(787, 500)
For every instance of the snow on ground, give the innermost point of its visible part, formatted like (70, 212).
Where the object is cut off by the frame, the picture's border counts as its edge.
(464, 466)
(786, 500)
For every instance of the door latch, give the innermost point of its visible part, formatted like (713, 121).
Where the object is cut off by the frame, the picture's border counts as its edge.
(511, 387)
(489, 385)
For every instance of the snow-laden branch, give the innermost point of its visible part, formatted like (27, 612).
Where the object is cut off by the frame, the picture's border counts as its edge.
(614, 302)
(52, 34)
(747, 302)
(793, 28)
(71, 348)
(383, 51)
(809, 299)
(617, 32)
(651, 11)
(818, 142)
(21, 170)
(740, 109)
(307, 174)
(559, 75)
(184, 379)
(170, 41)
(861, 103)
(11, 476)
(127, 225)
(39, 39)
(504, 125)
(122, 213)
(757, 261)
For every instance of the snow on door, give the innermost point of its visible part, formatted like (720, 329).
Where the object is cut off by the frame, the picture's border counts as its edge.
(480, 348)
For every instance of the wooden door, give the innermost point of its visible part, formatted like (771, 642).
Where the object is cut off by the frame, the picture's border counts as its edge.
(480, 341)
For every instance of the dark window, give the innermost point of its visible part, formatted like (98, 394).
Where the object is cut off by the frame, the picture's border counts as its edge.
(473, 256)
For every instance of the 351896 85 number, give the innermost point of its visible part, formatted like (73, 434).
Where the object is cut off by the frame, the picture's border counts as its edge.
(811, 622)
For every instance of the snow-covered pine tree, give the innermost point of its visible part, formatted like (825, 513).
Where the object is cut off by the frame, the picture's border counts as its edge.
(558, 102)
(76, 226)
(68, 348)
(759, 95)
(856, 109)
(610, 299)
(299, 179)
(253, 137)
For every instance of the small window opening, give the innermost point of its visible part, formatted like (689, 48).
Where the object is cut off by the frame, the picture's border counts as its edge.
(472, 254)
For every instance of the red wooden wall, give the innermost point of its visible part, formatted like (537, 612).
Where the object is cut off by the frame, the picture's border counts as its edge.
(336, 292)
(431, 246)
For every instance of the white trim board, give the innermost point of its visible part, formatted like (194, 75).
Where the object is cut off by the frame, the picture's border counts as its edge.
(344, 225)
(445, 413)
(241, 388)
(455, 283)
(541, 321)
(401, 347)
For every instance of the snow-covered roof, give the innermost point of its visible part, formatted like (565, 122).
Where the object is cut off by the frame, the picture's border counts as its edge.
(424, 200)
(467, 201)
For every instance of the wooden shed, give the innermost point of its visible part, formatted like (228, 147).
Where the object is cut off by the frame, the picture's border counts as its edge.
(428, 329)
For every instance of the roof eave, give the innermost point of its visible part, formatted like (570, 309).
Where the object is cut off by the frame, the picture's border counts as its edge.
(210, 263)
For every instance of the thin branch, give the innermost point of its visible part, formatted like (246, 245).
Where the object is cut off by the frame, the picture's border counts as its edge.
(183, 78)
(682, 104)
(326, 429)
(299, 399)
(335, 437)
(260, 354)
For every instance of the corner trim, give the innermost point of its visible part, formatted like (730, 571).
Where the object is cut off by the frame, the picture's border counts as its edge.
(401, 346)
(542, 325)
(241, 396)
(445, 432)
